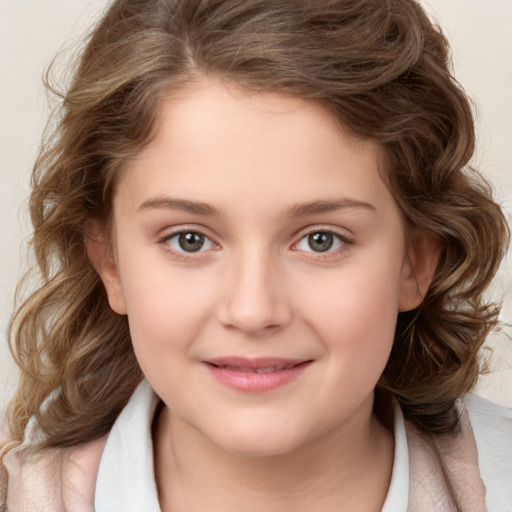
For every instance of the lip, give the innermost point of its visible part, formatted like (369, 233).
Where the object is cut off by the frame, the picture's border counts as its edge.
(255, 375)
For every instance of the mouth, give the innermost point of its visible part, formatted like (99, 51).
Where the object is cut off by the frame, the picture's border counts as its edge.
(256, 375)
(266, 369)
(255, 365)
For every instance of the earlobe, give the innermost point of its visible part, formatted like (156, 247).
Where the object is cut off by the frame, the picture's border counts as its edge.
(419, 269)
(102, 258)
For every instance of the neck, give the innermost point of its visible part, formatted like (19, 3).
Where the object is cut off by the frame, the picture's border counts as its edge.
(347, 468)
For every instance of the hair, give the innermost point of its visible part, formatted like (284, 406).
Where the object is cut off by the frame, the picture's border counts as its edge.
(381, 67)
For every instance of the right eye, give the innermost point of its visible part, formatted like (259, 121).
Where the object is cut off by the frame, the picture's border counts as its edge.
(188, 242)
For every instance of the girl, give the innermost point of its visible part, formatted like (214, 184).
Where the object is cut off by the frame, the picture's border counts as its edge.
(263, 259)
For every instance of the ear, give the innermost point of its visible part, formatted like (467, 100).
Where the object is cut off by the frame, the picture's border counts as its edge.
(419, 269)
(101, 255)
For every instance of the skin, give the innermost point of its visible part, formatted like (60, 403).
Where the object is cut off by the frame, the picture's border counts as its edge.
(257, 288)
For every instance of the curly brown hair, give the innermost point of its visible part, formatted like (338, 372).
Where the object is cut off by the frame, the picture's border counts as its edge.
(382, 67)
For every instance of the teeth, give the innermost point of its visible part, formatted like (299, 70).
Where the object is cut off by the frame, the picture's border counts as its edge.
(269, 369)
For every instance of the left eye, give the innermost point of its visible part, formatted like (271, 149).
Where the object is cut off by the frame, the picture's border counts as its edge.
(189, 241)
(320, 241)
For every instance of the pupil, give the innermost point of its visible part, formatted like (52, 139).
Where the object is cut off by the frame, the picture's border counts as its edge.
(191, 242)
(320, 242)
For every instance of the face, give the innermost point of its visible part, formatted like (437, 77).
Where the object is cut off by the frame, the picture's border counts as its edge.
(261, 262)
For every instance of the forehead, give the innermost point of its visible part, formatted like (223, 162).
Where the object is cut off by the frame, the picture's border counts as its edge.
(216, 142)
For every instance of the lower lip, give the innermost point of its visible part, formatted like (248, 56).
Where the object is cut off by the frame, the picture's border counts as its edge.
(256, 382)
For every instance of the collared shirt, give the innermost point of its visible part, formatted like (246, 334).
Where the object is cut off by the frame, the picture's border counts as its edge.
(115, 472)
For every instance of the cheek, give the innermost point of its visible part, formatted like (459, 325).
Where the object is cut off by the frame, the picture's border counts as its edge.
(164, 310)
(355, 311)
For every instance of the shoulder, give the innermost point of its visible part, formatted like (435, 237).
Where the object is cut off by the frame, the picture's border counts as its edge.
(475, 465)
(63, 477)
(492, 429)
(479, 406)
(491, 423)
(78, 477)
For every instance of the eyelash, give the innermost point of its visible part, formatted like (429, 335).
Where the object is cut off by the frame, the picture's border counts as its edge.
(318, 255)
(344, 241)
(166, 239)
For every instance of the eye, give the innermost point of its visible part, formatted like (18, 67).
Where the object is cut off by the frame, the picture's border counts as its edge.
(188, 241)
(321, 241)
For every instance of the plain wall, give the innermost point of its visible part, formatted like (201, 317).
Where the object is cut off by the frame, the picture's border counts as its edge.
(32, 31)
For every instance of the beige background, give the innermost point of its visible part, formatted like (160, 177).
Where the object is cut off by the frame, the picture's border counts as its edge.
(32, 31)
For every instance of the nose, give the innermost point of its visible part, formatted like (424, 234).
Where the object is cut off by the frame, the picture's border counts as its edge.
(254, 300)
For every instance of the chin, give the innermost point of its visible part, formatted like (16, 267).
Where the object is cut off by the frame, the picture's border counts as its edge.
(268, 442)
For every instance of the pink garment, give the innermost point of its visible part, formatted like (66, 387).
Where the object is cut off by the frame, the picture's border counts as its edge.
(456, 456)
(63, 480)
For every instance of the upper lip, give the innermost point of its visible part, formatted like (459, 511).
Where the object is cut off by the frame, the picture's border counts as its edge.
(248, 364)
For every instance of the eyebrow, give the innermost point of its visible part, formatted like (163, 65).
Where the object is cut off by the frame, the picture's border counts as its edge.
(170, 203)
(315, 207)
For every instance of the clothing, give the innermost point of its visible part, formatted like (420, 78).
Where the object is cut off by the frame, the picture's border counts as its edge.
(116, 472)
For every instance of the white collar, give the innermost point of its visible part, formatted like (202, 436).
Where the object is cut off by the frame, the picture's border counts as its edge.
(397, 499)
(126, 475)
